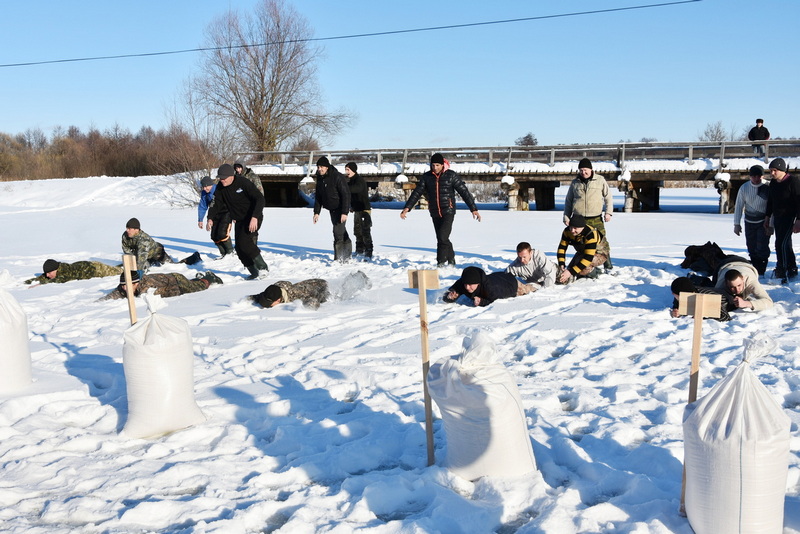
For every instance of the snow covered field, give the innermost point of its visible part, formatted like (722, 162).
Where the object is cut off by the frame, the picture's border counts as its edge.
(315, 420)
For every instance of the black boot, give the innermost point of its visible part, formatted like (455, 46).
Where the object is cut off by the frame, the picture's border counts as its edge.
(259, 265)
(342, 251)
(253, 270)
(210, 277)
(191, 260)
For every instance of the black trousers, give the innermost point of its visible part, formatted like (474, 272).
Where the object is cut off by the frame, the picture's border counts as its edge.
(362, 223)
(246, 241)
(444, 248)
(221, 228)
(787, 263)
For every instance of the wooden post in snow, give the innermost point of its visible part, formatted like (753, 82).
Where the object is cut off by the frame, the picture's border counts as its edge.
(698, 305)
(423, 280)
(129, 264)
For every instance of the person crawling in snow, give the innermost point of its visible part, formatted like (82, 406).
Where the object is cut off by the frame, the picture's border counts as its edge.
(311, 292)
(484, 288)
(165, 284)
(685, 285)
(55, 272)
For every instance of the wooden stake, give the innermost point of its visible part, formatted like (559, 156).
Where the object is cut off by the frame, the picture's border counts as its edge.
(423, 280)
(698, 305)
(129, 264)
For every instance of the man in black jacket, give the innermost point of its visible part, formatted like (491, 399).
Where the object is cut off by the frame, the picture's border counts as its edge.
(241, 199)
(439, 185)
(333, 194)
(758, 133)
(361, 208)
(484, 288)
(783, 214)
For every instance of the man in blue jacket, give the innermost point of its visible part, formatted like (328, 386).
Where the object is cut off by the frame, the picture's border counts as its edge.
(439, 185)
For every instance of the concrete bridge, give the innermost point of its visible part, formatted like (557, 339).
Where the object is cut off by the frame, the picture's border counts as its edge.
(639, 170)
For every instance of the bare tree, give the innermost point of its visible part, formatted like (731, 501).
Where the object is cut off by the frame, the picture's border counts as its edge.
(260, 76)
(527, 140)
(714, 132)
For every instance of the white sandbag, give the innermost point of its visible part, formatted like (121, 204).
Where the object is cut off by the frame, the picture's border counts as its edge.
(484, 421)
(158, 362)
(15, 356)
(736, 442)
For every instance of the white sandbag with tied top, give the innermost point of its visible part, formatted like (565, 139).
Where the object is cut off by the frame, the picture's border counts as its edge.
(484, 421)
(158, 362)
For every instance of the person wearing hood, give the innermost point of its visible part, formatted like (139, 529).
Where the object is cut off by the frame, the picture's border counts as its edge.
(240, 198)
(589, 195)
(221, 234)
(440, 185)
(333, 194)
(484, 288)
(247, 172)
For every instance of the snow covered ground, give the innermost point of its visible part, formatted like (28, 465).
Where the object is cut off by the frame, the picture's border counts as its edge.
(315, 419)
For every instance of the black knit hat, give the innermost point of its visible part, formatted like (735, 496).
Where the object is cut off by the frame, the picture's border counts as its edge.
(269, 295)
(352, 166)
(323, 162)
(585, 164)
(472, 275)
(50, 265)
(756, 170)
(437, 158)
(577, 221)
(205, 181)
(134, 277)
(778, 163)
(225, 170)
(133, 223)
(682, 285)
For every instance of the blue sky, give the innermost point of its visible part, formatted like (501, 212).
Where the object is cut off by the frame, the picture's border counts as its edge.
(661, 72)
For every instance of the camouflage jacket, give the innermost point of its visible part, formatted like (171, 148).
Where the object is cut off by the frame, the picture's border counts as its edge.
(250, 175)
(312, 292)
(165, 284)
(144, 247)
(80, 270)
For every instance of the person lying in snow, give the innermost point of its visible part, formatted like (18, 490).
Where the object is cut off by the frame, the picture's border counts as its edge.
(685, 285)
(484, 288)
(312, 292)
(165, 284)
(55, 272)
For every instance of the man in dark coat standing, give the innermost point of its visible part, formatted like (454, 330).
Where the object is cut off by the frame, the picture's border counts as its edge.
(439, 185)
(333, 194)
(361, 208)
(484, 288)
(241, 199)
(758, 133)
(783, 214)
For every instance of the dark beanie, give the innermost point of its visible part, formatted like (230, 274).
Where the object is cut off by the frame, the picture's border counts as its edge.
(778, 163)
(437, 158)
(472, 275)
(352, 166)
(585, 164)
(206, 181)
(50, 265)
(756, 170)
(269, 295)
(134, 277)
(682, 285)
(133, 223)
(323, 162)
(577, 221)
(225, 170)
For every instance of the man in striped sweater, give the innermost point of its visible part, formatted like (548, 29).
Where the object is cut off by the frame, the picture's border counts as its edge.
(591, 250)
(751, 201)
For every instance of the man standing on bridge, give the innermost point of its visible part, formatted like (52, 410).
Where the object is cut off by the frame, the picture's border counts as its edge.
(439, 185)
(590, 196)
(758, 133)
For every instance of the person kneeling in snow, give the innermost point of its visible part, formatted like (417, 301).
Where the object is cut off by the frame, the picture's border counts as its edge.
(165, 284)
(312, 292)
(484, 288)
(591, 250)
(685, 285)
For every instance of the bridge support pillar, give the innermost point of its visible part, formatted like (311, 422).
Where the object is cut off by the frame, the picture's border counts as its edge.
(641, 196)
(544, 193)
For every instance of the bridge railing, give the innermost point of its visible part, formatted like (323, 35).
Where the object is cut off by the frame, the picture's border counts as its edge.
(619, 153)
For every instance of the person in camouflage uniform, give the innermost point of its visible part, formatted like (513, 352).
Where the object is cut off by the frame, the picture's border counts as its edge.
(312, 292)
(165, 284)
(55, 272)
(138, 243)
(247, 172)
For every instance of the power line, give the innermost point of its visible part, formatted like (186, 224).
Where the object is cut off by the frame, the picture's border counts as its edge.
(351, 36)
